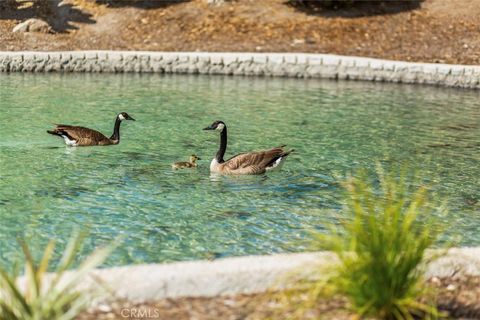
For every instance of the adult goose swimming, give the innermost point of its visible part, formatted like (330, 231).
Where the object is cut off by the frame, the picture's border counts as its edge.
(81, 136)
(256, 162)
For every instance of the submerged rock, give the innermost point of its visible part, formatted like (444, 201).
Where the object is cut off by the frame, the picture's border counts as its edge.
(33, 25)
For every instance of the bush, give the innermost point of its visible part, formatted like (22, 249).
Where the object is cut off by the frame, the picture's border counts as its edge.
(381, 246)
(47, 297)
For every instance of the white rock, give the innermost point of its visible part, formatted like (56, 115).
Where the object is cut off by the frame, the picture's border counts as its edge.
(435, 280)
(104, 308)
(451, 287)
(216, 2)
(33, 25)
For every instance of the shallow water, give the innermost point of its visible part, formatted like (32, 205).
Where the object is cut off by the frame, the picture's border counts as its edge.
(48, 190)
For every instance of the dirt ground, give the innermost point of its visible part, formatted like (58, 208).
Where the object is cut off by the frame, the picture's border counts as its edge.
(457, 298)
(442, 31)
(252, 307)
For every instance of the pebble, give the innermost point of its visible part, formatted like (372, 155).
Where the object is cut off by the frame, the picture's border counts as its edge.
(435, 280)
(104, 308)
(451, 287)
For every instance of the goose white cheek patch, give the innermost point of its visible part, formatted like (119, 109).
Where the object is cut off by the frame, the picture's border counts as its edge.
(220, 127)
(121, 117)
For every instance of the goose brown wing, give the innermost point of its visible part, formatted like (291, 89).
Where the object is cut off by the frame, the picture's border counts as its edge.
(81, 133)
(259, 159)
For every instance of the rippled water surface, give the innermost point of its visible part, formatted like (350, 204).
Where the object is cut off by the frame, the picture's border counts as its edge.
(48, 190)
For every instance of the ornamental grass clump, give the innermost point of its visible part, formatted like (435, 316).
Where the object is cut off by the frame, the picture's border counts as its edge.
(47, 296)
(381, 247)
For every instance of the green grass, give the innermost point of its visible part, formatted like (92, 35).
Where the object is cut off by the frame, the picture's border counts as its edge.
(381, 246)
(48, 296)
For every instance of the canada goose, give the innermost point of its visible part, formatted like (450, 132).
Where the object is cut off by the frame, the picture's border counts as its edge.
(81, 136)
(244, 163)
(190, 164)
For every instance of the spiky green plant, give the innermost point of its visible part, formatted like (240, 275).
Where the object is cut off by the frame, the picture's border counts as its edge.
(381, 246)
(48, 296)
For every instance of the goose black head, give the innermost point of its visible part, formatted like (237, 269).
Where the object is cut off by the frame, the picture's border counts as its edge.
(124, 116)
(217, 125)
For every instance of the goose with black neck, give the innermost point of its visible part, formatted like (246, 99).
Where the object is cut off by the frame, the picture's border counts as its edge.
(80, 136)
(255, 162)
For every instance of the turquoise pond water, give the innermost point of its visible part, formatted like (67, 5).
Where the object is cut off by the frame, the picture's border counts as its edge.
(47, 190)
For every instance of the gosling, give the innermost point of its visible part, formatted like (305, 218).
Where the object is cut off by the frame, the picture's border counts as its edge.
(190, 164)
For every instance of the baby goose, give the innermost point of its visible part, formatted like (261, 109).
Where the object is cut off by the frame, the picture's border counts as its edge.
(191, 164)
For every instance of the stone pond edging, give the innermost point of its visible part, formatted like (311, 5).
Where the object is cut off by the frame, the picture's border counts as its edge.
(295, 65)
(237, 275)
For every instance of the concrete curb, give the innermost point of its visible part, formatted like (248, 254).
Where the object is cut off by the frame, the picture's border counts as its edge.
(296, 65)
(229, 276)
